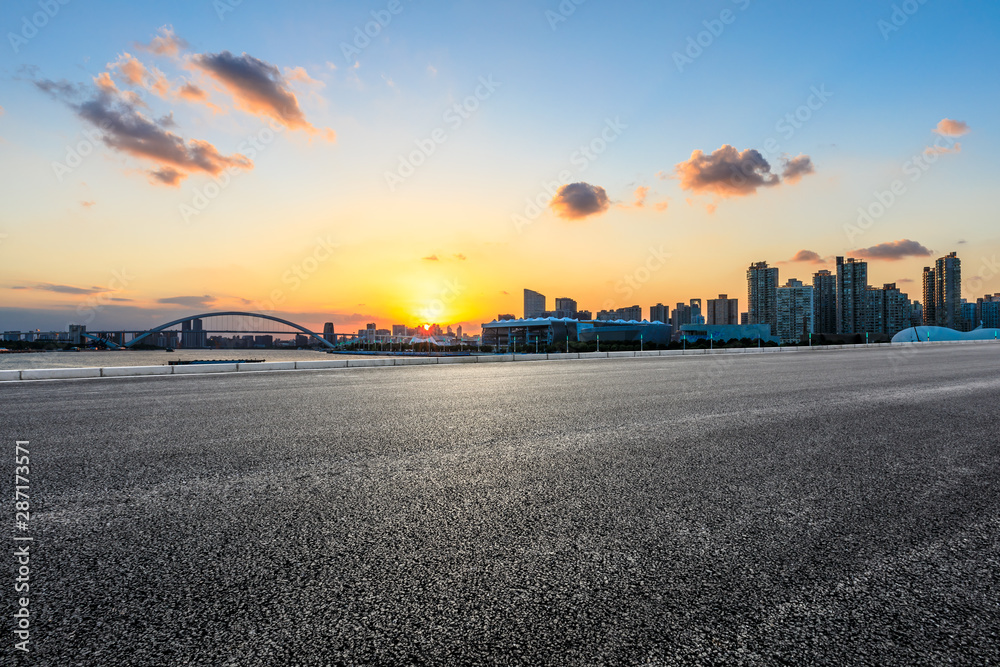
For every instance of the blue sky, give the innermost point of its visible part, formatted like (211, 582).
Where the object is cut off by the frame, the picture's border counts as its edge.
(556, 85)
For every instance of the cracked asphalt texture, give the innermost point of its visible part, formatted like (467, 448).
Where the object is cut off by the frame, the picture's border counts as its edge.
(787, 509)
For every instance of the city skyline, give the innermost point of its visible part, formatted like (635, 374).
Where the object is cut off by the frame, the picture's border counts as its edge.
(204, 158)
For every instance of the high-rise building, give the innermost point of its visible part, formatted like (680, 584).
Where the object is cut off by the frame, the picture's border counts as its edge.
(988, 312)
(948, 292)
(796, 311)
(968, 316)
(723, 310)
(659, 313)
(852, 285)
(762, 285)
(930, 297)
(458, 332)
(627, 313)
(681, 315)
(398, 330)
(697, 314)
(534, 304)
(370, 332)
(897, 310)
(328, 334)
(825, 302)
(566, 306)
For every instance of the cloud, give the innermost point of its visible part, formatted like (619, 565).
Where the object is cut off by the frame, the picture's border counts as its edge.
(796, 168)
(188, 301)
(942, 150)
(951, 128)
(807, 256)
(300, 74)
(579, 200)
(166, 43)
(728, 172)
(430, 258)
(87, 204)
(892, 250)
(137, 75)
(460, 257)
(905, 280)
(661, 206)
(125, 129)
(962, 241)
(258, 88)
(62, 289)
(640, 195)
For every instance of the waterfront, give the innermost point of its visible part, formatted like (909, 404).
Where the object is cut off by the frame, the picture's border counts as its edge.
(104, 358)
(741, 509)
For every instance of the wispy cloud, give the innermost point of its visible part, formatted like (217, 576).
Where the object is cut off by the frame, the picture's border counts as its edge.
(204, 301)
(258, 87)
(166, 43)
(62, 289)
(892, 251)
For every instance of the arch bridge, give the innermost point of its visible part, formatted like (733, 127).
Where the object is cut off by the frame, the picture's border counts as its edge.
(241, 326)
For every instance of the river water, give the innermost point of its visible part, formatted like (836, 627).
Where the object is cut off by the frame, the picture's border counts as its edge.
(89, 359)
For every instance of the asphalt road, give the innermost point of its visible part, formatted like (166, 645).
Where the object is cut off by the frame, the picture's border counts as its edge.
(835, 508)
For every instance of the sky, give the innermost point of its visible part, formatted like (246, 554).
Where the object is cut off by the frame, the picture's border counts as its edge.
(409, 162)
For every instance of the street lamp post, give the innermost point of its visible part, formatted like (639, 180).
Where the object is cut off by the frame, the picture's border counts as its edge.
(640, 342)
(598, 342)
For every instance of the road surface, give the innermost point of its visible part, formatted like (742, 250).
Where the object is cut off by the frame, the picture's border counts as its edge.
(829, 508)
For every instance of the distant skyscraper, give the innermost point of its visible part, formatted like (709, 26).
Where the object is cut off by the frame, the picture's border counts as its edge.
(723, 310)
(458, 332)
(762, 285)
(370, 332)
(796, 312)
(988, 312)
(565, 306)
(328, 334)
(697, 314)
(852, 283)
(948, 292)
(897, 311)
(534, 304)
(659, 313)
(930, 298)
(825, 302)
(680, 316)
